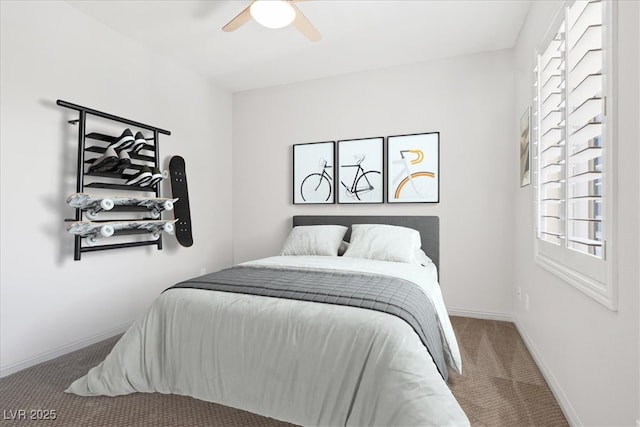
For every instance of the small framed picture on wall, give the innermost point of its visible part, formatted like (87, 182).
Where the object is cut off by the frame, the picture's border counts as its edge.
(360, 170)
(413, 168)
(525, 155)
(313, 173)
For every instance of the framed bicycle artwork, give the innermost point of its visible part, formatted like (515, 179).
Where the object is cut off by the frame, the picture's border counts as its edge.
(413, 168)
(313, 172)
(360, 170)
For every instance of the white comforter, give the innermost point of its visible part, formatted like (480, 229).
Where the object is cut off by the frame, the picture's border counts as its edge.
(297, 361)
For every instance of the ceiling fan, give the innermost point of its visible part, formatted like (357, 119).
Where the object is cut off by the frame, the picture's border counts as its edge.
(275, 14)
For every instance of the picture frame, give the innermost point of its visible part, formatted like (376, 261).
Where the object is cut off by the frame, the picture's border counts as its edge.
(525, 148)
(360, 171)
(413, 168)
(313, 173)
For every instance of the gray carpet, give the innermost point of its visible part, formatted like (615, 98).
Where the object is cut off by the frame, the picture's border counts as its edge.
(501, 386)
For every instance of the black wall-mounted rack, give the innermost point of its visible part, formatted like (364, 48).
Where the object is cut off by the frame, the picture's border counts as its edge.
(81, 121)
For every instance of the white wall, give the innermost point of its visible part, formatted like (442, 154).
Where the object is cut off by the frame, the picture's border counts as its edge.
(585, 350)
(469, 100)
(50, 303)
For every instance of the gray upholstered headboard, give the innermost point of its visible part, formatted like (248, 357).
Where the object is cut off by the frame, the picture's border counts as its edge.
(428, 226)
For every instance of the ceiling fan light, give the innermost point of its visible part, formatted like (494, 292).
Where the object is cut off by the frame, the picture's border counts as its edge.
(272, 13)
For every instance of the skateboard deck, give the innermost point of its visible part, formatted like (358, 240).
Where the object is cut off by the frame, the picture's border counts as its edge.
(95, 204)
(181, 211)
(95, 230)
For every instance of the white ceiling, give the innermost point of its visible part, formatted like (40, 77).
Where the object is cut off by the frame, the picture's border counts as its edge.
(357, 35)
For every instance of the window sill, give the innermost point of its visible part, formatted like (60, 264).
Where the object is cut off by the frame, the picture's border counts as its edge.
(601, 292)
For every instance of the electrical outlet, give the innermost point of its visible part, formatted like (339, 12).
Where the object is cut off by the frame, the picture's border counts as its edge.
(203, 271)
(526, 302)
(519, 293)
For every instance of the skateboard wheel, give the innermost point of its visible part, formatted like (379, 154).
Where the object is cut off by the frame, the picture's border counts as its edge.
(155, 235)
(107, 230)
(92, 214)
(107, 204)
(91, 241)
(168, 205)
(168, 227)
(165, 174)
(155, 214)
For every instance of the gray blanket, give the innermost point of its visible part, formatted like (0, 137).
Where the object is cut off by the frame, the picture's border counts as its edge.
(398, 297)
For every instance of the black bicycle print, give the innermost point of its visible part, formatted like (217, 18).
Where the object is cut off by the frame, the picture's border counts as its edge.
(363, 182)
(316, 187)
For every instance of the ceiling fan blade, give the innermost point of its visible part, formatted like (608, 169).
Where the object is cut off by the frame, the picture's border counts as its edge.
(304, 25)
(240, 19)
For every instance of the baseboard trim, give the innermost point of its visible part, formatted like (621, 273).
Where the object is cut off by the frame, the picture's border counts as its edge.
(554, 385)
(487, 315)
(60, 351)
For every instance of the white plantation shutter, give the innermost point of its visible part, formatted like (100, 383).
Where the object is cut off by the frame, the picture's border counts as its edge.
(551, 141)
(571, 143)
(585, 124)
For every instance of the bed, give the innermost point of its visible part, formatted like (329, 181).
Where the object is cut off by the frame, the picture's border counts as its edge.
(297, 359)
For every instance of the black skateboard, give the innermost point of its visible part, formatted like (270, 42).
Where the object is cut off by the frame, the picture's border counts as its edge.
(181, 212)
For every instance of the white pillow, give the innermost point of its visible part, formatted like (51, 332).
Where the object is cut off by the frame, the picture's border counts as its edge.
(383, 242)
(314, 240)
(421, 258)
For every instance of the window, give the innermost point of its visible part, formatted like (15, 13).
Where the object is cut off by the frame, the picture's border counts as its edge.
(573, 136)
